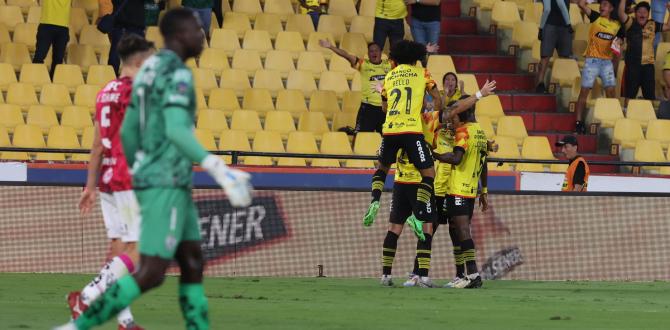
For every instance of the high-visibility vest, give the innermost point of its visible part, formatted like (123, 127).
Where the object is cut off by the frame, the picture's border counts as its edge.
(568, 182)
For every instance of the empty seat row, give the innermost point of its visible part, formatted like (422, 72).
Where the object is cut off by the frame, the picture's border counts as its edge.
(53, 95)
(45, 117)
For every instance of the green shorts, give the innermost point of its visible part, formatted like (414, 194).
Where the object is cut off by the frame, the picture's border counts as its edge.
(169, 217)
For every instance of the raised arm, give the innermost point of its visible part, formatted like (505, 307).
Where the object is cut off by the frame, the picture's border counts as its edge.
(622, 12)
(465, 104)
(453, 158)
(340, 52)
(585, 8)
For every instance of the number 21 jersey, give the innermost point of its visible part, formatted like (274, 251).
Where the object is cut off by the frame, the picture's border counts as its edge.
(404, 89)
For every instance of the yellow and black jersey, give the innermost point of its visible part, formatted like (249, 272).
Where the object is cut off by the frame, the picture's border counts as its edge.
(404, 90)
(310, 3)
(390, 9)
(371, 75)
(464, 178)
(601, 34)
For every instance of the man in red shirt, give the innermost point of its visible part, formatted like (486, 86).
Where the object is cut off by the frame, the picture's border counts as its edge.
(108, 163)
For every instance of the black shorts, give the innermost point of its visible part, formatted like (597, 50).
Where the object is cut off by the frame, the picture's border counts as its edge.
(414, 145)
(442, 210)
(370, 118)
(402, 202)
(558, 38)
(459, 206)
(640, 76)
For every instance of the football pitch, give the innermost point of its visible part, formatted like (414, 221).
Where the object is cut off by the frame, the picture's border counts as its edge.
(36, 301)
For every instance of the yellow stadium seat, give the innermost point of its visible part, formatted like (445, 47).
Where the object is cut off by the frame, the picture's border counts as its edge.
(206, 138)
(314, 122)
(524, 34)
(35, 74)
(345, 9)
(367, 143)
(247, 60)
(10, 116)
(270, 80)
(332, 24)
(340, 64)
(279, 121)
(290, 41)
(200, 101)
(313, 62)
(626, 133)
(15, 54)
(85, 95)
(641, 111)
(301, 80)
(514, 127)
(487, 126)
(246, 120)
(81, 55)
(313, 43)
(301, 24)
(259, 100)
(354, 43)
(491, 107)
(25, 33)
(90, 35)
(23, 4)
(42, 116)
(469, 81)
(257, 40)
(235, 79)
(505, 14)
(298, 142)
(78, 19)
(213, 121)
(356, 82)
(485, 4)
(4, 35)
(56, 96)
(333, 143)
(69, 75)
(558, 168)
(364, 25)
(215, 60)
(62, 137)
(270, 23)
(76, 117)
(334, 81)
(280, 60)
(234, 141)
(575, 14)
(367, 8)
(606, 112)
(351, 101)
(22, 95)
(438, 65)
(237, 22)
(10, 16)
(649, 151)
(532, 12)
(90, 6)
(4, 137)
(265, 142)
(527, 167)
(324, 102)
(658, 131)
(28, 136)
(344, 119)
(536, 147)
(34, 14)
(248, 7)
(205, 80)
(507, 148)
(224, 99)
(87, 137)
(564, 72)
(154, 35)
(100, 75)
(582, 31)
(283, 8)
(291, 100)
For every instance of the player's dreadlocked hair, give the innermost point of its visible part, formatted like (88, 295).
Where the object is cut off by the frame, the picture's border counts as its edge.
(171, 22)
(467, 115)
(132, 44)
(408, 52)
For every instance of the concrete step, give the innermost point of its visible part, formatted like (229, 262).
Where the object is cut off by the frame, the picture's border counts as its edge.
(459, 25)
(484, 63)
(469, 44)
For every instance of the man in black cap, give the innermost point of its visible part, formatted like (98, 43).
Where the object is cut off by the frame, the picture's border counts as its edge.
(577, 176)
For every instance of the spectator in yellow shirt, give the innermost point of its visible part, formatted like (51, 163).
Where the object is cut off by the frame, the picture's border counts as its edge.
(53, 32)
(389, 16)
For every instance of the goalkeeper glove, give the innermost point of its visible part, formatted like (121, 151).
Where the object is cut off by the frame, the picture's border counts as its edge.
(234, 182)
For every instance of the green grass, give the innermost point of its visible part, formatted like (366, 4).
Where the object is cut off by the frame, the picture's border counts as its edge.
(36, 301)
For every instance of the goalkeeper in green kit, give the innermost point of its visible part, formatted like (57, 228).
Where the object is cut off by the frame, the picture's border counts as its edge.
(158, 141)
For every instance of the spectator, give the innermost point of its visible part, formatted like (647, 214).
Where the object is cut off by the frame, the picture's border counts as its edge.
(130, 19)
(453, 88)
(640, 57)
(389, 16)
(425, 25)
(105, 7)
(577, 175)
(152, 10)
(311, 8)
(658, 14)
(203, 8)
(53, 32)
(598, 56)
(370, 116)
(555, 34)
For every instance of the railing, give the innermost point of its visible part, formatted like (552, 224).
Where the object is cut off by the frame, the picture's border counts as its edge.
(236, 154)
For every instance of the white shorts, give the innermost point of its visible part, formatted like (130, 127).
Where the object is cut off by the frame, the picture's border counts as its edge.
(121, 213)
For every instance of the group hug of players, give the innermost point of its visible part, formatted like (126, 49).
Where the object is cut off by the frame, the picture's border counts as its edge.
(440, 156)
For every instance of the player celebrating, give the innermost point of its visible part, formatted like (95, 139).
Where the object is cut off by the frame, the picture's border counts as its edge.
(107, 162)
(469, 160)
(158, 141)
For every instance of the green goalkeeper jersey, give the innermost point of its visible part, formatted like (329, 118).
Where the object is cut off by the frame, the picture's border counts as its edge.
(157, 132)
